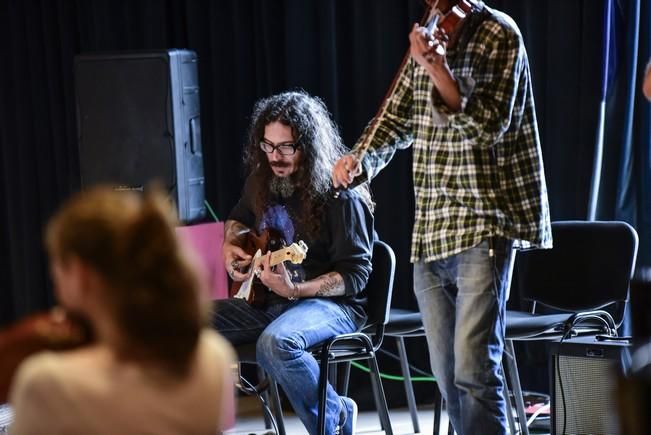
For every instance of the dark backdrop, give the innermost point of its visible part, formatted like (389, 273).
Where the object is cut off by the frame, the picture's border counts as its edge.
(345, 51)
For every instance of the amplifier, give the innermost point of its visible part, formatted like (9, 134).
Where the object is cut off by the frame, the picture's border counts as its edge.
(583, 385)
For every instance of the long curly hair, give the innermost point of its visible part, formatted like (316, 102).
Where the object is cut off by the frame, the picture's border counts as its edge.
(316, 135)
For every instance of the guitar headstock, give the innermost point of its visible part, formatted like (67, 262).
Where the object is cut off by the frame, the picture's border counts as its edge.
(296, 252)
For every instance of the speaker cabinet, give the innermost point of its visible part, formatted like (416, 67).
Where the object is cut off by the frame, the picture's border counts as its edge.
(583, 385)
(138, 121)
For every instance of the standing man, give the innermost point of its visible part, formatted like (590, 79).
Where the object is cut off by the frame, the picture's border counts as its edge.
(292, 147)
(466, 107)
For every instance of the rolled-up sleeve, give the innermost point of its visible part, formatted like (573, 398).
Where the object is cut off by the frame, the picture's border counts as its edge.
(350, 224)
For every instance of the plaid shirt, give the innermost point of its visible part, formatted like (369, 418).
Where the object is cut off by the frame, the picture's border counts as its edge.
(478, 172)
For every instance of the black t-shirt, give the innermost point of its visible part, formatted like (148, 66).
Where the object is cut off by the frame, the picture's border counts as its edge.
(344, 243)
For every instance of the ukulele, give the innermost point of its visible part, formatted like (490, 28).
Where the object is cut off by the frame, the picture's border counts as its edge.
(251, 289)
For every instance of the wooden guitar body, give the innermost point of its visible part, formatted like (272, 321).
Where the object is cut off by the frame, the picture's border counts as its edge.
(268, 240)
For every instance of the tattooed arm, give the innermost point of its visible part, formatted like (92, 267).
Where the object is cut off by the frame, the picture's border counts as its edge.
(349, 248)
(327, 285)
(350, 228)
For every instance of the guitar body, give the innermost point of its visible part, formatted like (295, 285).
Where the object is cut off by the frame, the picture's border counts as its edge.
(256, 245)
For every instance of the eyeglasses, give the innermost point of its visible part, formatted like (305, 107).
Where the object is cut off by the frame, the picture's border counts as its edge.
(284, 148)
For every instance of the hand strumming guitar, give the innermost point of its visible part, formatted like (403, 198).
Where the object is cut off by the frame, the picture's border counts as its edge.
(235, 258)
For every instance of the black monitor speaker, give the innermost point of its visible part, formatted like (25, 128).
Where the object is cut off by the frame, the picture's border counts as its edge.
(138, 122)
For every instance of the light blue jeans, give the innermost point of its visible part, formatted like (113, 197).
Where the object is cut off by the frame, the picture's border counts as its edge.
(463, 300)
(281, 352)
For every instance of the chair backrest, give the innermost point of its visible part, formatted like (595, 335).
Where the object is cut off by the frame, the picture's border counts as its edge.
(590, 266)
(379, 290)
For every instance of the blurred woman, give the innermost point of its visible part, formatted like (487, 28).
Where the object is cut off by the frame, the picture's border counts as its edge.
(152, 367)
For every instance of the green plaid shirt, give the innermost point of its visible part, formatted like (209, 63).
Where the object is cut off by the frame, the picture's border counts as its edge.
(479, 172)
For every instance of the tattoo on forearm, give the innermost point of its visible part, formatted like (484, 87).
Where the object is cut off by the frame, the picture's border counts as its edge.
(332, 284)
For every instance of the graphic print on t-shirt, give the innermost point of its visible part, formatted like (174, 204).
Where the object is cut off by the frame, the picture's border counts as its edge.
(277, 217)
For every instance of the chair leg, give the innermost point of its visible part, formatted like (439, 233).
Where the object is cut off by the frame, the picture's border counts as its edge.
(380, 399)
(450, 428)
(344, 378)
(333, 376)
(507, 400)
(376, 397)
(438, 410)
(323, 388)
(409, 388)
(512, 368)
(276, 407)
(265, 395)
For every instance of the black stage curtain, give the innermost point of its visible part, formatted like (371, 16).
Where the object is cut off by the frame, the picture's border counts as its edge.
(344, 51)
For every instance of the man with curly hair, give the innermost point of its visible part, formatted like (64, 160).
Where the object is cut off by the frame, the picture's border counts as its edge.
(292, 147)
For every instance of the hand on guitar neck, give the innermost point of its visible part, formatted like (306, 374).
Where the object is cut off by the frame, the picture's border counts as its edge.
(256, 273)
(272, 273)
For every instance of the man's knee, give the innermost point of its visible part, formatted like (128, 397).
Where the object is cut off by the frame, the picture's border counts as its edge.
(272, 347)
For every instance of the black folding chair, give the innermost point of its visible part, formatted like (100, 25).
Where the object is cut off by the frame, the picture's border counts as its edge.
(363, 345)
(344, 348)
(580, 287)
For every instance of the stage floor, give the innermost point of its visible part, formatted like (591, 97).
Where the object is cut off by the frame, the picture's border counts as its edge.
(250, 422)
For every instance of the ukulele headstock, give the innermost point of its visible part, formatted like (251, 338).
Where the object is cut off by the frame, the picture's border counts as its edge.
(296, 252)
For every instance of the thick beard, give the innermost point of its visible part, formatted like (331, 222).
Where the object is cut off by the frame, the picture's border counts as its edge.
(282, 186)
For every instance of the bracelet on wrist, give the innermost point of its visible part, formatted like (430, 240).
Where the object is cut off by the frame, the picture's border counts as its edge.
(295, 292)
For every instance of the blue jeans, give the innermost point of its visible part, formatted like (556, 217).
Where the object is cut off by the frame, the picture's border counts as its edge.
(462, 299)
(284, 332)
